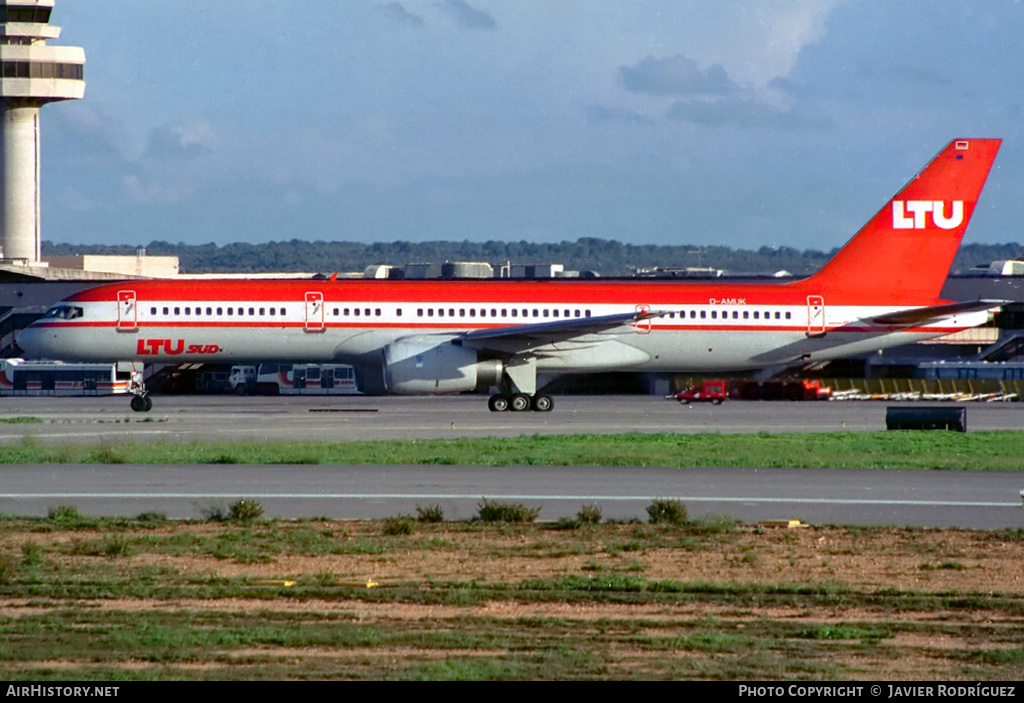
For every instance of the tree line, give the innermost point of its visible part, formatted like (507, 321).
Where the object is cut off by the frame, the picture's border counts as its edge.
(603, 257)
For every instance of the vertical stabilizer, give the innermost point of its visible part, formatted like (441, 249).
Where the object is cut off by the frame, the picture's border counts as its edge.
(903, 255)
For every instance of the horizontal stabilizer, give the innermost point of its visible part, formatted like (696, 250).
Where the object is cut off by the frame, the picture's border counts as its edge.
(934, 313)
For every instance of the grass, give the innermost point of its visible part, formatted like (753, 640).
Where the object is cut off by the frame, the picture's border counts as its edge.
(158, 599)
(976, 451)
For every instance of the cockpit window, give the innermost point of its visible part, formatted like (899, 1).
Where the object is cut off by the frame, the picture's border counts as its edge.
(63, 312)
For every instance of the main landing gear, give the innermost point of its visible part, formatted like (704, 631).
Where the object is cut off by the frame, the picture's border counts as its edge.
(519, 402)
(518, 389)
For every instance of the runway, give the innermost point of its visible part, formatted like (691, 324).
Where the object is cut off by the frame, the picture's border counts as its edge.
(919, 498)
(816, 496)
(318, 418)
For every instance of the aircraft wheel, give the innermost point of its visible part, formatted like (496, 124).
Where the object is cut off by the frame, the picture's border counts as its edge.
(141, 404)
(520, 402)
(542, 403)
(498, 403)
(149, 403)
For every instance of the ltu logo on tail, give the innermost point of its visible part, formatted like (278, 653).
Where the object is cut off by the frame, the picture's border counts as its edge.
(911, 214)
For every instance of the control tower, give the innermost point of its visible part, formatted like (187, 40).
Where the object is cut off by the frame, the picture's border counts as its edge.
(33, 74)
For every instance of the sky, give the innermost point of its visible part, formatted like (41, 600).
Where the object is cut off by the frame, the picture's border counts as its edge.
(743, 123)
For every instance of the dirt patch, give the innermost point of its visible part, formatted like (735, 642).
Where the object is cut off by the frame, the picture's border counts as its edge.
(624, 600)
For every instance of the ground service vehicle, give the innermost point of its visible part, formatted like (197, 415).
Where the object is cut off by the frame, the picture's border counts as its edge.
(882, 289)
(707, 392)
(21, 377)
(771, 389)
(294, 379)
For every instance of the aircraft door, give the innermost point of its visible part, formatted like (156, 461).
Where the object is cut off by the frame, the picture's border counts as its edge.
(314, 312)
(643, 326)
(127, 311)
(815, 316)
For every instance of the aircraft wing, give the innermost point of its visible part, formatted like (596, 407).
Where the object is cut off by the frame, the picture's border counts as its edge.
(521, 338)
(934, 313)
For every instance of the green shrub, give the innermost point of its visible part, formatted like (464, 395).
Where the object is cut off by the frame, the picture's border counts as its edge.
(667, 510)
(63, 514)
(399, 525)
(116, 546)
(245, 511)
(8, 569)
(430, 513)
(589, 514)
(498, 511)
(212, 511)
(31, 554)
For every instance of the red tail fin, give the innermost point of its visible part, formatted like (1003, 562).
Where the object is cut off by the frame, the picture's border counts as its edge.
(904, 253)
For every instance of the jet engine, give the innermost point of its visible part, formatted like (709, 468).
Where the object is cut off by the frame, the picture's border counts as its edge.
(428, 365)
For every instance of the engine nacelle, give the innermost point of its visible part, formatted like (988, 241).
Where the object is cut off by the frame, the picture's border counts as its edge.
(420, 365)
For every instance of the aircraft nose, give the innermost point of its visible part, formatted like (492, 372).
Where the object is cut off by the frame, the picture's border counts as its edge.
(32, 341)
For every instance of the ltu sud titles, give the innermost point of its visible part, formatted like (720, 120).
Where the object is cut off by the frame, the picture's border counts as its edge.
(876, 691)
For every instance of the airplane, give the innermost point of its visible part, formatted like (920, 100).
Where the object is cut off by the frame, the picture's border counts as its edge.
(882, 289)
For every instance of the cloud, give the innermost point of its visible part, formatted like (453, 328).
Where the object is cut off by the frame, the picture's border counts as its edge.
(136, 192)
(467, 16)
(399, 16)
(179, 141)
(676, 75)
(741, 112)
(603, 113)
